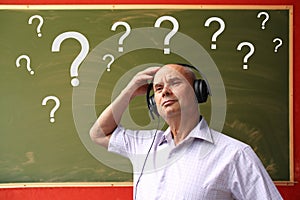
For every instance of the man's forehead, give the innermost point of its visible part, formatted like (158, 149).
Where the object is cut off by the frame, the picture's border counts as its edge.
(170, 72)
(166, 72)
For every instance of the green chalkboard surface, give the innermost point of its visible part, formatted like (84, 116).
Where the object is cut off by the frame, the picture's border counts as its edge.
(248, 70)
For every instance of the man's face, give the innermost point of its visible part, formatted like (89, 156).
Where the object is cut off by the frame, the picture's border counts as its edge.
(173, 92)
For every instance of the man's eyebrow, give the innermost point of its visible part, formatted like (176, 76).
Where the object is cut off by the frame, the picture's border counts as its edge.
(157, 84)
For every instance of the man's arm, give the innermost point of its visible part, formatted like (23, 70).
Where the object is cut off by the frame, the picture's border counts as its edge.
(111, 116)
(250, 179)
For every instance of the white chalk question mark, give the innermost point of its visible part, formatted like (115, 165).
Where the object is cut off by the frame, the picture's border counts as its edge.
(263, 24)
(27, 63)
(41, 21)
(169, 35)
(81, 56)
(54, 109)
(278, 45)
(249, 54)
(111, 61)
(122, 38)
(218, 32)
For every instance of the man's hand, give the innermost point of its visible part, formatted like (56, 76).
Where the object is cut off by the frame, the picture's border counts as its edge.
(139, 83)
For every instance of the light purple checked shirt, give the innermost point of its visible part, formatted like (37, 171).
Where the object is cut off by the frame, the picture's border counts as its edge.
(207, 165)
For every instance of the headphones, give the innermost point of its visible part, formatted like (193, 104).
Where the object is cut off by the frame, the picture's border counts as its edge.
(201, 89)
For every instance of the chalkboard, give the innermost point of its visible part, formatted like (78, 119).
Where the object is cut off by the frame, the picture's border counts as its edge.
(61, 66)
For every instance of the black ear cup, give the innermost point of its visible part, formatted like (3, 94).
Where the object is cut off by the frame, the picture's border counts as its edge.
(201, 90)
(151, 102)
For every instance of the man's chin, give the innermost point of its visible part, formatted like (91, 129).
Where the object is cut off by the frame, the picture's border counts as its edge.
(170, 114)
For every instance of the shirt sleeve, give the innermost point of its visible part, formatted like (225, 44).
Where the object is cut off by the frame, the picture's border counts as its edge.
(250, 178)
(128, 142)
(117, 142)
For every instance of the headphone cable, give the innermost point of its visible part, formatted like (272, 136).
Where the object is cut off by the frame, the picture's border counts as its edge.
(144, 164)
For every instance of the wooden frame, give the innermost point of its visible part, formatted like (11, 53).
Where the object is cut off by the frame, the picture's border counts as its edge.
(188, 7)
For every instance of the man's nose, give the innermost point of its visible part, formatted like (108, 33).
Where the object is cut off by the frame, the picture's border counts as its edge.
(166, 91)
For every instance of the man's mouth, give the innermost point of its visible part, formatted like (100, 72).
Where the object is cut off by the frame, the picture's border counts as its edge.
(168, 102)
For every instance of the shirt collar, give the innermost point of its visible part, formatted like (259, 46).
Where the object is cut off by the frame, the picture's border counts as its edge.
(201, 131)
(166, 137)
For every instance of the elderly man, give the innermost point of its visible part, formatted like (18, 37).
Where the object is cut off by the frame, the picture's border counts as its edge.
(188, 160)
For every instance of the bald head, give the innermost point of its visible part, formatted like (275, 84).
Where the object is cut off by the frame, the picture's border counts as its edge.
(185, 71)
